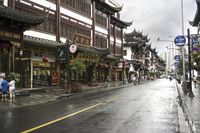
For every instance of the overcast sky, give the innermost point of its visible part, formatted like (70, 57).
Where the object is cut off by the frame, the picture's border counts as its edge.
(158, 18)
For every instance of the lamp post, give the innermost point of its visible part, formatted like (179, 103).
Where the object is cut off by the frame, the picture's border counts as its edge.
(184, 82)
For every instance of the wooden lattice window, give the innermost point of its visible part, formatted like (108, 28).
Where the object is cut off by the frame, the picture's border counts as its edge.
(69, 28)
(118, 50)
(82, 6)
(101, 20)
(101, 42)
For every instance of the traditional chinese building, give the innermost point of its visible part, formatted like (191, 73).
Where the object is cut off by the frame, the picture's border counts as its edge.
(12, 25)
(94, 26)
(136, 47)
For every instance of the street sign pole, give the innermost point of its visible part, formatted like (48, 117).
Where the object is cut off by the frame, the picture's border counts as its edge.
(189, 87)
(180, 42)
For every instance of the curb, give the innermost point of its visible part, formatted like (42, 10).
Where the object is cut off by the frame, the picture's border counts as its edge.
(183, 105)
(100, 89)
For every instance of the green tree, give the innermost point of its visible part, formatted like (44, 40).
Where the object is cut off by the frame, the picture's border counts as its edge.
(76, 66)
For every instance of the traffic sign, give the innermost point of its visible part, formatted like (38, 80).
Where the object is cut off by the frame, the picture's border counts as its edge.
(177, 60)
(177, 57)
(180, 41)
(176, 64)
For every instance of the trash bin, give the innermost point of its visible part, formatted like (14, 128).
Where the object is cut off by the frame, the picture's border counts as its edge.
(188, 86)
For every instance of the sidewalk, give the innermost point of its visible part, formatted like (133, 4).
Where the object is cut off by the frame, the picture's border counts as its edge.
(191, 107)
(41, 95)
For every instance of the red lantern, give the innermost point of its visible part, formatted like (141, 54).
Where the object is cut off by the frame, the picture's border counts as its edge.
(45, 59)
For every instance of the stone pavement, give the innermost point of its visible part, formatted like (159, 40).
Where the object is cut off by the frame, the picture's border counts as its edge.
(191, 107)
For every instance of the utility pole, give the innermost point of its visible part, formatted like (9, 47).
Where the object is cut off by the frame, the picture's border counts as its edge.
(184, 82)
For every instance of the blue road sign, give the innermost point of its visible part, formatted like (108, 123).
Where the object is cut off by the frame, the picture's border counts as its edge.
(180, 41)
(176, 64)
(193, 41)
(177, 57)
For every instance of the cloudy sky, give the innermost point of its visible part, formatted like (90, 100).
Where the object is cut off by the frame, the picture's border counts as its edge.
(158, 18)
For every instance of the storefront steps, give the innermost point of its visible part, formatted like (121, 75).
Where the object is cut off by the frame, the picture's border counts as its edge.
(27, 91)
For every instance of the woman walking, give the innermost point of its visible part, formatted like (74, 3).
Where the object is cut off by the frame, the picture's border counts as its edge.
(11, 89)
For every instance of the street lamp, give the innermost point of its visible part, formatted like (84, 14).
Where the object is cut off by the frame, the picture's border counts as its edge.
(158, 39)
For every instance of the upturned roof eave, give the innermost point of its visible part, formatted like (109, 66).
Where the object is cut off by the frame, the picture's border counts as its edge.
(120, 23)
(196, 19)
(106, 8)
(21, 17)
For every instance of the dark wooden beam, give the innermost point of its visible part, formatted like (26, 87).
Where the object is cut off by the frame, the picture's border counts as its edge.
(58, 20)
(109, 30)
(93, 23)
(114, 42)
(11, 3)
(122, 43)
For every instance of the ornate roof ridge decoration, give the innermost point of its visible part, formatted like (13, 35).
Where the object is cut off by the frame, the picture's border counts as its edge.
(136, 36)
(148, 46)
(154, 50)
(120, 23)
(21, 17)
(106, 8)
(41, 42)
(145, 37)
(134, 33)
(196, 19)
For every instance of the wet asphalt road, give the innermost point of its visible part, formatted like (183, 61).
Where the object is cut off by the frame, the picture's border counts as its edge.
(146, 108)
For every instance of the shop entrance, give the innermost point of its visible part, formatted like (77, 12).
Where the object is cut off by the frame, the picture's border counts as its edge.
(41, 77)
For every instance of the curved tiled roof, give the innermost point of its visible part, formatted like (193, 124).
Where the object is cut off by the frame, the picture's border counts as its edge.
(196, 19)
(120, 23)
(21, 17)
(106, 8)
(28, 40)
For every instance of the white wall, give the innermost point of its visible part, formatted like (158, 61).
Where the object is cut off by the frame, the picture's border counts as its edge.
(128, 56)
(39, 35)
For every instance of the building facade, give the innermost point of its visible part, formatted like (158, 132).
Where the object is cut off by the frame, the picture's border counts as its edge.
(94, 26)
(144, 61)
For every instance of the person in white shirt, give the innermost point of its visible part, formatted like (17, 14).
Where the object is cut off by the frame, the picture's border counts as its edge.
(11, 89)
(195, 81)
